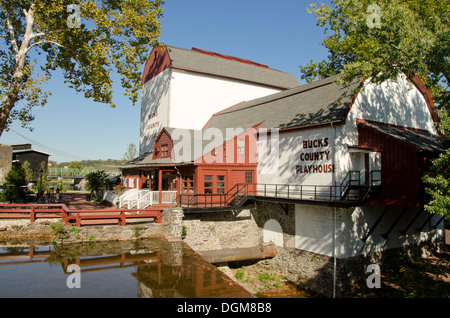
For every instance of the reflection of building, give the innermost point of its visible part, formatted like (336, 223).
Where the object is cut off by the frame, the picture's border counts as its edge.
(169, 272)
(162, 269)
(23, 152)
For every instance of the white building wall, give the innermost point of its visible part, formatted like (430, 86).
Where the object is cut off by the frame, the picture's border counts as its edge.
(155, 103)
(304, 157)
(196, 97)
(182, 99)
(316, 230)
(397, 103)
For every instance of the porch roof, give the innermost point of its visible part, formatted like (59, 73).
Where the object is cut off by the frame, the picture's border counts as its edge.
(420, 140)
(146, 161)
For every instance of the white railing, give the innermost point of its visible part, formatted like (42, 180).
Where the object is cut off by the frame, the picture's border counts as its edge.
(145, 198)
(127, 197)
(110, 197)
(168, 196)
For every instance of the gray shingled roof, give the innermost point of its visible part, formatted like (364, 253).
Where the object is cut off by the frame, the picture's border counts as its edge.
(311, 104)
(199, 62)
(420, 140)
(146, 159)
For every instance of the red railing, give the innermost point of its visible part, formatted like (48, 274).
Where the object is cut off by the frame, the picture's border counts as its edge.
(61, 211)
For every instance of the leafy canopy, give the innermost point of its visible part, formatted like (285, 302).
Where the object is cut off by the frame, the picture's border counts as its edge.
(113, 37)
(403, 36)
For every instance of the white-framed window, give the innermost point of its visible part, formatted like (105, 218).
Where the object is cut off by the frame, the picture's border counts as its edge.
(240, 146)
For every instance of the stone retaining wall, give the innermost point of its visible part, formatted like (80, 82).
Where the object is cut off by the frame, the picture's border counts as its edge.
(41, 232)
(221, 230)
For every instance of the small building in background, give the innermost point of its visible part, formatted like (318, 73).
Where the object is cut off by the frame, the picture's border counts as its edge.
(24, 152)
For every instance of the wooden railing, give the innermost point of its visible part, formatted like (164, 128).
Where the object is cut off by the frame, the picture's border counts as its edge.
(76, 217)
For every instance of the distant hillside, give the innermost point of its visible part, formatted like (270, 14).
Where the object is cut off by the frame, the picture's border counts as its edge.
(89, 164)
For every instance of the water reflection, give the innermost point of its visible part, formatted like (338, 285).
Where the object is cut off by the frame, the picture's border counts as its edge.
(150, 268)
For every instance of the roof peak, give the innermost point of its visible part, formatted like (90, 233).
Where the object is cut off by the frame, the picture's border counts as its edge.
(229, 57)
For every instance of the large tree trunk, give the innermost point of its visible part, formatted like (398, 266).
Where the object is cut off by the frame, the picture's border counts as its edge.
(20, 53)
(10, 100)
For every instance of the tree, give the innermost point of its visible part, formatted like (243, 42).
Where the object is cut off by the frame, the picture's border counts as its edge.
(29, 175)
(88, 40)
(131, 153)
(15, 180)
(379, 39)
(97, 181)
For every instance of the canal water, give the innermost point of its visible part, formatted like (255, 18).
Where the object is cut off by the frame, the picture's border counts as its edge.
(142, 269)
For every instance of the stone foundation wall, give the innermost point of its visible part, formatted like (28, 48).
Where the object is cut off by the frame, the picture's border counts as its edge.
(221, 230)
(40, 232)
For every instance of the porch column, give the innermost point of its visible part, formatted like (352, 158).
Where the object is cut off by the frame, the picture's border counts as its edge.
(160, 186)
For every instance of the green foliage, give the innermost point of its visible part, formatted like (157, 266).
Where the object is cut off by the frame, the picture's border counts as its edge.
(114, 37)
(413, 35)
(58, 231)
(131, 153)
(240, 273)
(90, 164)
(15, 179)
(438, 178)
(412, 38)
(42, 181)
(28, 171)
(97, 180)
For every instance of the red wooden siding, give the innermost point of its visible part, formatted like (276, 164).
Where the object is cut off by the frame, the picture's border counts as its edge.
(401, 180)
(163, 146)
(158, 61)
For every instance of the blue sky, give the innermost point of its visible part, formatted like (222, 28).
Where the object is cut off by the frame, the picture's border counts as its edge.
(280, 34)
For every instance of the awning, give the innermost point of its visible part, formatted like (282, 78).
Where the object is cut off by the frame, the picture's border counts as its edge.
(420, 140)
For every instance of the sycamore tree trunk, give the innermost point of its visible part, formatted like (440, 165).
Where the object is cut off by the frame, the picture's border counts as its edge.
(20, 54)
(10, 100)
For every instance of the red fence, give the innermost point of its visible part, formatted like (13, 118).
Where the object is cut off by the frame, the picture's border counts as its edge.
(77, 217)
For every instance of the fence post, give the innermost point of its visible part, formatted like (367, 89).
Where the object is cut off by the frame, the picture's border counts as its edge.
(78, 220)
(64, 216)
(32, 215)
(123, 218)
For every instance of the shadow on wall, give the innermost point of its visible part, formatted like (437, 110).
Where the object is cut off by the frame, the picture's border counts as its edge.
(397, 103)
(154, 109)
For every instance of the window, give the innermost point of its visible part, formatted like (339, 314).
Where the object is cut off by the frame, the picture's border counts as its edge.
(240, 146)
(214, 184)
(248, 177)
(188, 185)
(208, 184)
(220, 183)
(164, 151)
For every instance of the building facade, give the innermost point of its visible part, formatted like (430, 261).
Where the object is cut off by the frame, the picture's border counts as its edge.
(347, 163)
(184, 88)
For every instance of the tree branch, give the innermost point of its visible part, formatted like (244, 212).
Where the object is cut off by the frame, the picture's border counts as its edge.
(41, 42)
(12, 37)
